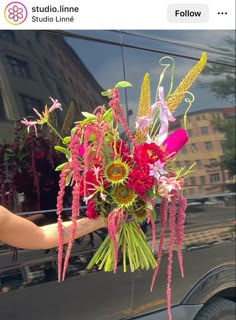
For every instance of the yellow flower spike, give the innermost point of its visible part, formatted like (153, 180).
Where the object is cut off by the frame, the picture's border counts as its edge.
(179, 93)
(144, 106)
(145, 98)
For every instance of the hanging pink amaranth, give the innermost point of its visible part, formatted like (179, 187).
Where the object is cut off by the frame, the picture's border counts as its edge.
(75, 167)
(61, 193)
(118, 114)
(151, 220)
(163, 219)
(172, 217)
(180, 230)
(75, 214)
(114, 220)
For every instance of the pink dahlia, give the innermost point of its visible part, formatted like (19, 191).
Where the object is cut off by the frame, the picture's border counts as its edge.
(140, 181)
(148, 153)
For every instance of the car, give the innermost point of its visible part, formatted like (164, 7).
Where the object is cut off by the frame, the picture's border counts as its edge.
(74, 67)
(194, 203)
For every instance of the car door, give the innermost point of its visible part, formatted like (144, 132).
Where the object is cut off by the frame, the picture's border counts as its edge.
(210, 189)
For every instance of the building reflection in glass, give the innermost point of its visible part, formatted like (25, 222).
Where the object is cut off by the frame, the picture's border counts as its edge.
(34, 66)
(207, 144)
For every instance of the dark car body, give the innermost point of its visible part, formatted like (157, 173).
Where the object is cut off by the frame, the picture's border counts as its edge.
(77, 65)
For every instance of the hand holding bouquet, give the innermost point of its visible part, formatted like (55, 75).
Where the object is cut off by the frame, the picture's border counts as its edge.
(120, 180)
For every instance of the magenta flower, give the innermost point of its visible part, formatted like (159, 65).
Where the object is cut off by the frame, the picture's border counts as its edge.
(175, 141)
(30, 123)
(56, 105)
(81, 150)
(157, 169)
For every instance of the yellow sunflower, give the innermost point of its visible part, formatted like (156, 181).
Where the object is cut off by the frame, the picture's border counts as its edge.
(123, 197)
(116, 171)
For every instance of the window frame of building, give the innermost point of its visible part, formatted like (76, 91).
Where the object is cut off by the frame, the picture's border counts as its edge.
(198, 164)
(214, 177)
(184, 149)
(190, 132)
(213, 161)
(203, 180)
(19, 67)
(208, 145)
(187, 163)
(204, 130)
(30, 102)
(194, 147)
(192, 181)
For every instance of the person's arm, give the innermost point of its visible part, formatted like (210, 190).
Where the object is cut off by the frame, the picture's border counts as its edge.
(19, 232)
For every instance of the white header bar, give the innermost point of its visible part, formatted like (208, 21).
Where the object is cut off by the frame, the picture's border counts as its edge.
(121, 14)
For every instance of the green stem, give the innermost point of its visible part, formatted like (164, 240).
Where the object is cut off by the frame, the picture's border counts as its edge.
(98, 253)
(144, 249)
(105, 259)
(124, 251)
(143, 257)
(134, 245)
(131, 263)
(54, 131)
(109, 259)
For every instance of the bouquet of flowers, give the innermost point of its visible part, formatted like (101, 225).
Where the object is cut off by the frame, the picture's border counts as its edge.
(31, 161)
(121, 179)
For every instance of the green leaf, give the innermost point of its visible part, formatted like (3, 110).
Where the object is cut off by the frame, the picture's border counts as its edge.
(123, 84)
(68, 178)
(63, 150)
(85, 121)
(106, 93)
(66, 140)
(89, 115)
(61, 166)
(73, 130)
(108, 138)
(108, 116)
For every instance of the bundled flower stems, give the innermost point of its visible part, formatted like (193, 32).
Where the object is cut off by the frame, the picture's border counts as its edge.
(120, 179)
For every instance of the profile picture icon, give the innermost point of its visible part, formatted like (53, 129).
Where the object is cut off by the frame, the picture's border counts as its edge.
(15, 13)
